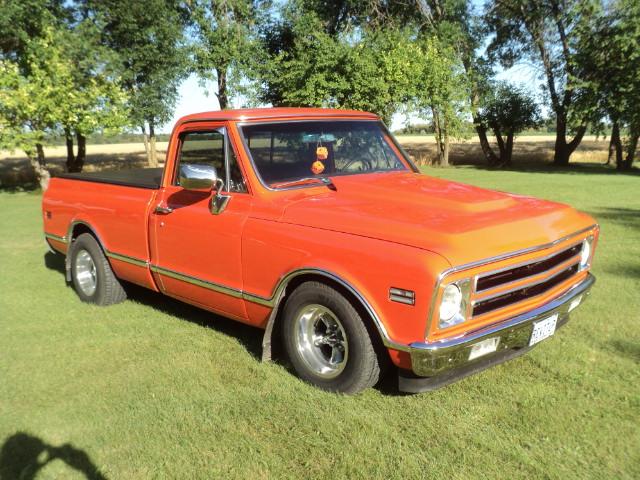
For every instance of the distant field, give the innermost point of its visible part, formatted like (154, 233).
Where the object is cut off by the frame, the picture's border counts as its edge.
(528, 151)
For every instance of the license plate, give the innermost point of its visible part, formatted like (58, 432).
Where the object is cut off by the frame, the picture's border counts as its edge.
(543, 329)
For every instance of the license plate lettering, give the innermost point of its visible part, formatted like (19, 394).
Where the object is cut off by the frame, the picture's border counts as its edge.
(543, 329)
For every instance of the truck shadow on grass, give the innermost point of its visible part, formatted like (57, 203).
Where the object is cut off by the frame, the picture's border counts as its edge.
(248, 336)
(627, 349)
(23, 456)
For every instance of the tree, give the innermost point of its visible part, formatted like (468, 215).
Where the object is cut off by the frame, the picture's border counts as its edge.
(609, 59)
(314, 63)
(30, 101)
(442, 89)
(507, 112)
(448, 85)
(547, 33)
(54, 79)
(225, 45)
(149, 40)
(96, 100)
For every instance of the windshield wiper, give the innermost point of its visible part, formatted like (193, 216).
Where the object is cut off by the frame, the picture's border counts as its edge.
(302, 181)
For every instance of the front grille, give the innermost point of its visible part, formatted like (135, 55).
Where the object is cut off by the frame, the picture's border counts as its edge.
(523, 290)
(523, 271)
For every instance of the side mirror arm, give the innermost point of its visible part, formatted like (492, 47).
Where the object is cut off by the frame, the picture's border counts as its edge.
(218, 200)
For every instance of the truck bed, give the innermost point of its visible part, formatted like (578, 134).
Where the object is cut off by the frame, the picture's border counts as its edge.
(138, 177)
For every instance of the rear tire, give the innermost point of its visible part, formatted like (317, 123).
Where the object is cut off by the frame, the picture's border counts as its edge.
(327, 342)
(91, 273)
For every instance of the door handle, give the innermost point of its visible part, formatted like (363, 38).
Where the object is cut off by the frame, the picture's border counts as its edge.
(162, 209)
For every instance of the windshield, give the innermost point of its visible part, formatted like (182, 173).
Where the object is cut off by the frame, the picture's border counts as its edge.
(285, 152)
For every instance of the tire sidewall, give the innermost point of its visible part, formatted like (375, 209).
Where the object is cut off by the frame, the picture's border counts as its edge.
(353, 327)
(87, 243)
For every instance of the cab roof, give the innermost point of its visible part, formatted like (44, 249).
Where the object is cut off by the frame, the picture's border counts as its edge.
(252, 114)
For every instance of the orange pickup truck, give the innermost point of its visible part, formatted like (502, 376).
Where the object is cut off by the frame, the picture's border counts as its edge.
(315, 226)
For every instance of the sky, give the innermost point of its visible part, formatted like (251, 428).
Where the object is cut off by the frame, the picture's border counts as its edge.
(192, 97)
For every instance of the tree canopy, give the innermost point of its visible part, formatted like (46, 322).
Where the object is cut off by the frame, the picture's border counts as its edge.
(73, 67)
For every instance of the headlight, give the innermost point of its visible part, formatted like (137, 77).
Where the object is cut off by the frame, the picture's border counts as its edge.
(585, 255)
(453, 306)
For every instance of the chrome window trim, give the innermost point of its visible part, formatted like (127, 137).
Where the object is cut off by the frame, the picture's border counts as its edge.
(239, 124)
(486, 261)
(227, 147)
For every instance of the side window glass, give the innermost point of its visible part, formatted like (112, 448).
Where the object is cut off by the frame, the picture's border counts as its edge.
(203, 148)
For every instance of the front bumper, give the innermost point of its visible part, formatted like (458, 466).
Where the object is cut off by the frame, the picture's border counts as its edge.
(448, 361)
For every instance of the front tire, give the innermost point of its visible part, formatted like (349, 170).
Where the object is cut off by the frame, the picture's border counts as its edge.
(92, 277)
(327, 342)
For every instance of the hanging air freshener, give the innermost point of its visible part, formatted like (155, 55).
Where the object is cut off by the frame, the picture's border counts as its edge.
(322, 153)
(317, 167)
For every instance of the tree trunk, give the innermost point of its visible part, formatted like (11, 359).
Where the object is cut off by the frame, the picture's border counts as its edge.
(508, 150)
(82, 152)
(563, 150)
(145, 139)
(615, 146)
(438, 135)
(488, 152)
(501, 147)
(631, 149)
(71, 158)
(445, 151)
(153, 156)
(223, 100)
(38, 163)
(561, 155)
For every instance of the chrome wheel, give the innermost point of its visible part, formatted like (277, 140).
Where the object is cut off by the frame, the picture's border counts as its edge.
(85, 273)
(321, 340)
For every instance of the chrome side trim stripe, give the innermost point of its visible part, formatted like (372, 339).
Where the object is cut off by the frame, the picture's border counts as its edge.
(216, 287)
(197, 281)
(128, 259)
(276, 297)
(266, 302)
(57, 238)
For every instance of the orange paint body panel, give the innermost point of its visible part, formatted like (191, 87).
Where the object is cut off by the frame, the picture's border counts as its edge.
(370, 233)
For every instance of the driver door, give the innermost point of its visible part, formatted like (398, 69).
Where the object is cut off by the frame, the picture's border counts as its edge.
(196, 253)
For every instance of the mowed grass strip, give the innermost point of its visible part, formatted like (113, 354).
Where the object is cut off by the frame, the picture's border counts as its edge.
(152, 388)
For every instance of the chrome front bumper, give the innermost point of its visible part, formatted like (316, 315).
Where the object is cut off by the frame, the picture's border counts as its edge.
(441, 358)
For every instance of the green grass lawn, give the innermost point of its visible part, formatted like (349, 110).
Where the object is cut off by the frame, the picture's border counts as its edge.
(154, 388)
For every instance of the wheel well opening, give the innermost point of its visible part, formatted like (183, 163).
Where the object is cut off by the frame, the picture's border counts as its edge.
(79, 229)
(372, 329)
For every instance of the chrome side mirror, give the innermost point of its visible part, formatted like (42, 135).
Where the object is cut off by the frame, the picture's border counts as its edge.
(204, 178)
(199, 178)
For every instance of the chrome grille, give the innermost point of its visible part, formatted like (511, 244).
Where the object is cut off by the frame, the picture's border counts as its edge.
(492, 290)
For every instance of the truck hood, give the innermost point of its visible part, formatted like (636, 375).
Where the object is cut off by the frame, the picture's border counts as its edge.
(461, 222)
